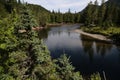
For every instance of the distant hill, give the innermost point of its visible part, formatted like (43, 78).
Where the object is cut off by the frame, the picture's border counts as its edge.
(6, 6)
(39, 8)
(39, 13)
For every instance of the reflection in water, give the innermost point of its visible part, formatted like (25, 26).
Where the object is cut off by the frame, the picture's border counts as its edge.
(92, 46)
(119, 53)
(87, 54)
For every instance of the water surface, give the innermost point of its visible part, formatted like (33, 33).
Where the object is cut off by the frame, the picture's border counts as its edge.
(87, 55)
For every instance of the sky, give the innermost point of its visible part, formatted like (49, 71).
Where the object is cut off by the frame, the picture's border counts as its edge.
(62, 5)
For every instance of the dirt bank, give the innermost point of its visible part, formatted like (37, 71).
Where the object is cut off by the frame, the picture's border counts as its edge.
(96, 36)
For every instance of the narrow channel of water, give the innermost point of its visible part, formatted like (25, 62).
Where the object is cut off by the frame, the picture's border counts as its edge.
(87, 55)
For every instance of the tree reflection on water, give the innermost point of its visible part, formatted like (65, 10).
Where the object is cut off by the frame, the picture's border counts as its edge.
(92, 46)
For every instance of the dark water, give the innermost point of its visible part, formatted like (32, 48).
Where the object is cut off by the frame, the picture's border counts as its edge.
(87, 55)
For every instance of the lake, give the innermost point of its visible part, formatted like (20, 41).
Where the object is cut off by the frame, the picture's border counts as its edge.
(86, 54)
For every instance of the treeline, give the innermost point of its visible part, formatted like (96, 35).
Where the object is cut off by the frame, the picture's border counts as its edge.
(92, 15)
(105, 15)
(68, 17)
(41, 15)
(103, 19)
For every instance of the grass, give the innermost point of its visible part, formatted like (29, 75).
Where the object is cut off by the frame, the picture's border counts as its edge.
(98, 30)
(110, 32)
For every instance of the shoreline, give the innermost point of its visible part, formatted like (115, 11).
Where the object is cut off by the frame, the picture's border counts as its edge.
(95, 36)
(59, 24)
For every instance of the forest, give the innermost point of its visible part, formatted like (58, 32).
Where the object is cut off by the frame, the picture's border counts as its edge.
(103, 19)
(23, 56)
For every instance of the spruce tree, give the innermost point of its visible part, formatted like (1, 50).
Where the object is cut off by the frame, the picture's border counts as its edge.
(95, 13)
(102, 12)
(88, 14)
(59, 17)
(31, 59)
(66, 70)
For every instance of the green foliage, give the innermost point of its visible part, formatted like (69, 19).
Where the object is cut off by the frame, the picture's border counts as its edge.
(3, 11)
(6, 77)
(101, 15)
(42, 16)
(17, 61)
(1, 69)
(68, 17)
(31, 60)
(95, 77)
(111, 32)
(24, 55)
(6, 31)
(66, 70)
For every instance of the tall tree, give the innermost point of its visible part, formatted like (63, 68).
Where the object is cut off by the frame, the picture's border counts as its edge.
(66, 70)
(95, 13)
(88, 14)
(52, 17)
(102, 12)
(59, 17)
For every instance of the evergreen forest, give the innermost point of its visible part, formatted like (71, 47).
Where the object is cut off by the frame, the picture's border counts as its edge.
(24, 56)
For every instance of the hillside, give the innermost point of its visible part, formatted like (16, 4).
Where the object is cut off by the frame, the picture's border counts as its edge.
(5, 6)
(39, 13)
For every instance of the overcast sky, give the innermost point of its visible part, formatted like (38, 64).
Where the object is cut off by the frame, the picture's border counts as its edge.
(63, 5)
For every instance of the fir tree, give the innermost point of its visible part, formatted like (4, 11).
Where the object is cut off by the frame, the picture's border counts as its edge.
(66, 70)
(102, 12)
(31, 59)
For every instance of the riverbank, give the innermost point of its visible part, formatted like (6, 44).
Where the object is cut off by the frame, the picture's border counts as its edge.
(96, 36)
(54, 24)
(112, 33)
(60, 24)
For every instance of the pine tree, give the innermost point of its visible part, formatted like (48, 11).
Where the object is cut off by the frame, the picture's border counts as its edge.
(7, 30)
(52, 17)
(88, 14)
(77, 17)
(66, 70)
(102, 12)
(95, 77)
(21, 67)
(59, 17)
(30, 59)
(95, 13)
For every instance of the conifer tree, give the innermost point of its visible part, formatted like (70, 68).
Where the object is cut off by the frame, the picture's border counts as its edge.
(31, 59)
(95, 13)
(102, 12)
(52, 16)
(88, 14)
(66, 70)
(59, 17)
